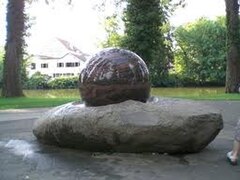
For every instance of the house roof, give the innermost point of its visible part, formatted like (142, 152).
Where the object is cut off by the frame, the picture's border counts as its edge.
(58, 49)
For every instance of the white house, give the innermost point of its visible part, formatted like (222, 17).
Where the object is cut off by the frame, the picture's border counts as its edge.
(59, 58)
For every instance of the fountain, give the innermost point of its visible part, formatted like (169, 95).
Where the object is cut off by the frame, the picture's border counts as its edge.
(118, 116)
(113, 76)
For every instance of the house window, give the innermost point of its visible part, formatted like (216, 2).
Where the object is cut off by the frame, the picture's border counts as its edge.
(33, 66)
(57, 75)
(69, 64)
(77, 64)
(72, 64)
(44, 65)
(60, 64)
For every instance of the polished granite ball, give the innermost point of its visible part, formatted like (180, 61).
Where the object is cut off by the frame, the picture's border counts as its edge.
(113, 76)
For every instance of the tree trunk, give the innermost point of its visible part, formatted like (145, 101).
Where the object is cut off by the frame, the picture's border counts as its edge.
(14, 49)
(233, 47)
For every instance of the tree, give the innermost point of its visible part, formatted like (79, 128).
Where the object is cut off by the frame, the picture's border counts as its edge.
(147, 32)
(144, 35)
(233, 47)
(198, 57)
(1, 66)
(113, 39)
(14, 49)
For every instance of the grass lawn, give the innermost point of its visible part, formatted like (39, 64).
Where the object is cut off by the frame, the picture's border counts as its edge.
(50, 98)
(40, 98)
(195, 93)
(218, 97)
(29, 102)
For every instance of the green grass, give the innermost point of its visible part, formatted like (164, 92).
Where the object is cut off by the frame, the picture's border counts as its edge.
(50, 98)
(215, 94)
(29, 102)
(217, 97)
(40, 98)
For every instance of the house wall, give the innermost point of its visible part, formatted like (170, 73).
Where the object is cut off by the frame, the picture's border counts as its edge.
(50, 66)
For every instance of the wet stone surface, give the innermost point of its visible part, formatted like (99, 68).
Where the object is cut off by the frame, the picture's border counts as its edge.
(113, 76)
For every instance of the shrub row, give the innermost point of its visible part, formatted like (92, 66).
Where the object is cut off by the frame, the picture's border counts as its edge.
(176, 80)
(39, 81)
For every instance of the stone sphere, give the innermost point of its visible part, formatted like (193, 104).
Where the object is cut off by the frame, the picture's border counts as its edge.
(113, 76)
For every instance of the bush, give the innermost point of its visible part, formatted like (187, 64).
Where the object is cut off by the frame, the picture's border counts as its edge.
(63, 83)
(40, 81)
(170, 80)
(200, 52)
(37, 81)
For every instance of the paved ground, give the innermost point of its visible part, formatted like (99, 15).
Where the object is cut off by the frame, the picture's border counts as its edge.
(22, 157)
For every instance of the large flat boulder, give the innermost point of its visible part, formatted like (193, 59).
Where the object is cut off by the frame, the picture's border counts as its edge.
(165, 126)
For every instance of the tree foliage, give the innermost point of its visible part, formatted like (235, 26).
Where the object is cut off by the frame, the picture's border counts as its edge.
(147, 33)
(112, 29)
(145, 25)
(200, 54)
(142, 27)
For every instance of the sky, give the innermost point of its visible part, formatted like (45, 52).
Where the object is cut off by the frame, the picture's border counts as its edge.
(198, 8)
(81, 25)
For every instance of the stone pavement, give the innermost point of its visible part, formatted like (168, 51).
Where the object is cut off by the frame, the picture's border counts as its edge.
(22, 157)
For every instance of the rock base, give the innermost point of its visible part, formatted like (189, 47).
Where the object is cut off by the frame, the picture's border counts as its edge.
(166, 126)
